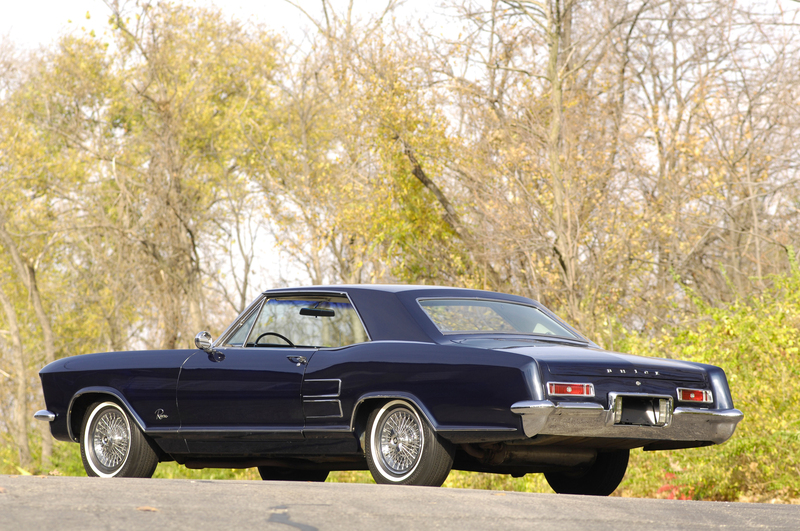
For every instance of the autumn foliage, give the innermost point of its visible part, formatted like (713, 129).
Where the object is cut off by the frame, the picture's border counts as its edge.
(631, 164)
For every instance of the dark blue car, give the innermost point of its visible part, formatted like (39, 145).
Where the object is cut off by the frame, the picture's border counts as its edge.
(406, 381)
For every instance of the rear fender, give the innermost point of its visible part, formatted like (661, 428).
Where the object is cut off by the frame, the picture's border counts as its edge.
(366, 403)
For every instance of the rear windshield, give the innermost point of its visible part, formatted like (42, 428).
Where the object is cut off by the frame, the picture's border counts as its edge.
(470, 316)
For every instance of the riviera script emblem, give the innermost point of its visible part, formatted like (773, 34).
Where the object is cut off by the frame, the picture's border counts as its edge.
(160, 415)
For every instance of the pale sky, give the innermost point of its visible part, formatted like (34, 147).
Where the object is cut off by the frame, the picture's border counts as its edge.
(33, 23)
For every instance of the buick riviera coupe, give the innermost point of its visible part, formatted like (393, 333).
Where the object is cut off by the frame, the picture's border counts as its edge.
(406, 381)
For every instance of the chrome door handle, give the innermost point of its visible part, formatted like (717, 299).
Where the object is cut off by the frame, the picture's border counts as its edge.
(299, 360)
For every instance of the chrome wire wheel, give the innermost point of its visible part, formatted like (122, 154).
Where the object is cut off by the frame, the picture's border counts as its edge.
(107, 439)
(400, 441)
(111, 438)
(397, 441)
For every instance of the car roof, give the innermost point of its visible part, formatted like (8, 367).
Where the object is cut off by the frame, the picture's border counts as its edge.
(391, 288)
(390, 311)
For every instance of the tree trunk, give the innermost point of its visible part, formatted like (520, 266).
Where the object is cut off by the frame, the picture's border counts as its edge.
(559, 25)
(27, 273)
(19, 424)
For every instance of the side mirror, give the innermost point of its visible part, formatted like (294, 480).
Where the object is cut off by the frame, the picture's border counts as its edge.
(203, 341)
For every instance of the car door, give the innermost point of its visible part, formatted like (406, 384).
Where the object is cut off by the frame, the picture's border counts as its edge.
(242, 391)
(249, 386)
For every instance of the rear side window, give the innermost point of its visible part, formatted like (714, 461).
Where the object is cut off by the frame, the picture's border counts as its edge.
(471, 316)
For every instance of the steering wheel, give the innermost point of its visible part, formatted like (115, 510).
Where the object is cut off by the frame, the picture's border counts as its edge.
(273, 334)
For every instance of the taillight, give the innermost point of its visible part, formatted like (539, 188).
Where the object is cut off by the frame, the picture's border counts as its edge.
(570, 389)
(700, 396)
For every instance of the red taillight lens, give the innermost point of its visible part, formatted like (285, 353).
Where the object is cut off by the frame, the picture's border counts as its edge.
(570, 389)
(701, 396)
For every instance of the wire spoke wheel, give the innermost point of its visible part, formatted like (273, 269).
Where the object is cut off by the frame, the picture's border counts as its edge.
(402, 448)
(113, 446)
(111, 438)
(400, 441)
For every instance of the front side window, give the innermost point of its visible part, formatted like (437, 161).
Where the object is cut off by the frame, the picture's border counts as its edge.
(301, 322)
(238, 337)
(470, 316)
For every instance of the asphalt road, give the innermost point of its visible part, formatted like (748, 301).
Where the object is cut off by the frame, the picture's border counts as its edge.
(60, 503)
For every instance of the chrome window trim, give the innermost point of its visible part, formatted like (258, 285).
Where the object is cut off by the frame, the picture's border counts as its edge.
(323, 293)
(266, 296)
(254, 306)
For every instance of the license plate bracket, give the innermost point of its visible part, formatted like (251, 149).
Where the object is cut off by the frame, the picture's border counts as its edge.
(642, 410)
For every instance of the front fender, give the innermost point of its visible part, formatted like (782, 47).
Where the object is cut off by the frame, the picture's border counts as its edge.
(81, 400)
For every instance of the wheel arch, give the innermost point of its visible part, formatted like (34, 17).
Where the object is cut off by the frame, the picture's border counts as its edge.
(368, 402)
(85, 397)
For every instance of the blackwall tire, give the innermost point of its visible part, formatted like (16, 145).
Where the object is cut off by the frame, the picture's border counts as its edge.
(601, 479)
(112, 445)
(402, 448)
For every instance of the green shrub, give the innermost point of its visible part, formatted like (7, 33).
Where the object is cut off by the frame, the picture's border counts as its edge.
(757, 342)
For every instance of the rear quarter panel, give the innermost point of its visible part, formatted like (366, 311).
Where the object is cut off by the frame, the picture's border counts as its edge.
(457, 387)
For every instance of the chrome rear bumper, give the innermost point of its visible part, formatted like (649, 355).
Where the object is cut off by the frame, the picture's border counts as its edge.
(588, 419)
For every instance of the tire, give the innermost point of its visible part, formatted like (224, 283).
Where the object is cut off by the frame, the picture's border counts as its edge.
(274, 473)
(112, 445)
(402, 449)
(601, 479)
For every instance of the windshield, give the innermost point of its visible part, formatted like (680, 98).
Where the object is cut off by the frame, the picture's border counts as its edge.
(470, 316)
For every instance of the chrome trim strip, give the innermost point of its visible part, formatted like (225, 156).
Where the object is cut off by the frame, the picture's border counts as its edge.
(45, 415)
(577, 419)
(337, 394)
(326, 429)
(458, 429)
(237, 429)
(338, 403)
(393, 396)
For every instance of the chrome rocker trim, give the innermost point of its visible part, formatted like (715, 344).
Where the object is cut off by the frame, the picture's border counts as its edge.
(588, 419)
(44, 415)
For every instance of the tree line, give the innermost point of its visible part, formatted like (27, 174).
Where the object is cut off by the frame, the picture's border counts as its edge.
(601, 157)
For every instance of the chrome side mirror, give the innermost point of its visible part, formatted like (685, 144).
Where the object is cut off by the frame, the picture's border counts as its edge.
(203, 341)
